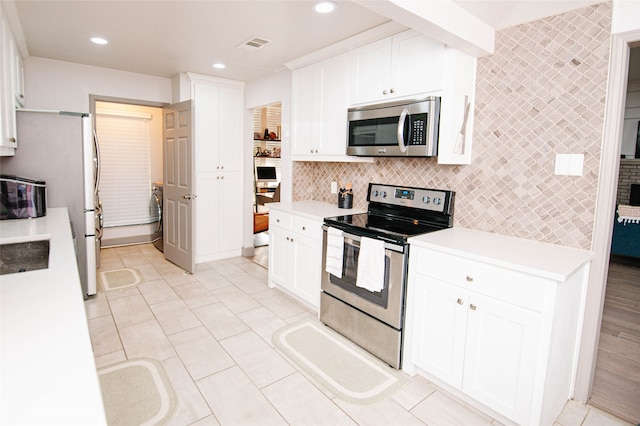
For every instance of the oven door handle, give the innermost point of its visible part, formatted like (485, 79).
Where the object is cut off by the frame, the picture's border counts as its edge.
(388, 246)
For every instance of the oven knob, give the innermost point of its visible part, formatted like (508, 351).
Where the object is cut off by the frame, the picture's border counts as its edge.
(375, 193)
(437, 201)
(383, 194)
(426, 199)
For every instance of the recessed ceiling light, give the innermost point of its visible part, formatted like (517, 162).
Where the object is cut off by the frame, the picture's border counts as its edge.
(99, 40)
(324, 6)
(219, 65)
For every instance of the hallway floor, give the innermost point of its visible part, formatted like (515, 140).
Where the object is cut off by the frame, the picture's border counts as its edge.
(211, 331)
(616, 384)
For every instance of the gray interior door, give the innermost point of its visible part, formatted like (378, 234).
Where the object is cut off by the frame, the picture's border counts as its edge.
(179, 196)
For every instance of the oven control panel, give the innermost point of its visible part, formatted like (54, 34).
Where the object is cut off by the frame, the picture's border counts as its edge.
(420, 198)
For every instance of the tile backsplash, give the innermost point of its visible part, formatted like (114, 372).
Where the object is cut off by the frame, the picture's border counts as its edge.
(540, 94)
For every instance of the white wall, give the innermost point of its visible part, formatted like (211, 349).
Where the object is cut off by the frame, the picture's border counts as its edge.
(268, 90)
(625, 16)
(66, 86)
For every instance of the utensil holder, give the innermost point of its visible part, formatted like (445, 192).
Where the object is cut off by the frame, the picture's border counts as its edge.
(345, 201)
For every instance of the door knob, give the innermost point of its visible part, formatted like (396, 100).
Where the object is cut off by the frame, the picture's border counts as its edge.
(460, 301)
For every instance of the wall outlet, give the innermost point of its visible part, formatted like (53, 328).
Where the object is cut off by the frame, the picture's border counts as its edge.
(569, 164)
(334, 187)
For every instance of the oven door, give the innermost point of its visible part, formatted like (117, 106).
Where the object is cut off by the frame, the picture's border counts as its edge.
(386, 305)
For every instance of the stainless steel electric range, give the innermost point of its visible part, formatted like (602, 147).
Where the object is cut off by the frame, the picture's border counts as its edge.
(365, 261)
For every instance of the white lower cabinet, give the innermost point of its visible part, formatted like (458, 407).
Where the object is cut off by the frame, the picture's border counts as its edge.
(502, 338)
(485, 347)
(295, 255)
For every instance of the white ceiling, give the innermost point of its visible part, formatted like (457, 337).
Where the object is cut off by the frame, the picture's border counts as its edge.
(167, 37)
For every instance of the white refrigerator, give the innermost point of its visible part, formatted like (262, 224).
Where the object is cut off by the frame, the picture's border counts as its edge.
(59, 147)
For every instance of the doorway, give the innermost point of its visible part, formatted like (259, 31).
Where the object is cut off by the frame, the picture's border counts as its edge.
(267, 175)
(616, 383)
(130, 138)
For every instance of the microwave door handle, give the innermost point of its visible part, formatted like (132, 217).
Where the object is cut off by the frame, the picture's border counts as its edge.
(403, 117)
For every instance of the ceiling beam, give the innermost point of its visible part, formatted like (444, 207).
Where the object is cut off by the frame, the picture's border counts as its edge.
(441, 20)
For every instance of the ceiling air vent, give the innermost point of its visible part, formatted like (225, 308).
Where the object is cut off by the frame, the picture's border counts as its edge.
(254, 43)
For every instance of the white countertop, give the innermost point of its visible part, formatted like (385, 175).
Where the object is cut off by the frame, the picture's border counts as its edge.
(47, 370)
(317, 210)
(545, 260)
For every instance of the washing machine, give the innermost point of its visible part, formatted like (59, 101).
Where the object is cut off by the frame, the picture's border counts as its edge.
(156, 196)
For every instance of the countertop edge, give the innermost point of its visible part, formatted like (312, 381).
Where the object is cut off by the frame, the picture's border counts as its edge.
(545, 260)
(313, 209)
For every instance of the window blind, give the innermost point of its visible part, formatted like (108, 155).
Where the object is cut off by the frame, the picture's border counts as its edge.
(268, 117)
(125, 184)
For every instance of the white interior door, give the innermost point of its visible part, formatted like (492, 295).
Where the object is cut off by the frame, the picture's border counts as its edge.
(179, 197)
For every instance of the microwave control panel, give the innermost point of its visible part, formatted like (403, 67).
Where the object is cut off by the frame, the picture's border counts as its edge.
(418, 129)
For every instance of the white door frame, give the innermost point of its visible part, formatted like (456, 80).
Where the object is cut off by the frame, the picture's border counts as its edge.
(605, 210)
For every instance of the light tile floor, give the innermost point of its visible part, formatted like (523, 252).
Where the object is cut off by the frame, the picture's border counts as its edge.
(212, 332)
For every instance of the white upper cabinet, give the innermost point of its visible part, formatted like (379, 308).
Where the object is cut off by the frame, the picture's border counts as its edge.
(320, 101)
(457, 108)
(402, 65)
(11, 89)
(218, 125)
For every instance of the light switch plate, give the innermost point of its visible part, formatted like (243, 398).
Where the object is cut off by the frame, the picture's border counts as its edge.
(569, 164)
(334, 187)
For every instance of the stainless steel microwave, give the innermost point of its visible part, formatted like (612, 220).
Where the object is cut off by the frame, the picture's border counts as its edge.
(397, 129)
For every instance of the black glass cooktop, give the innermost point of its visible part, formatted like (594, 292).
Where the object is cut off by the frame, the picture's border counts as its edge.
(393, 229)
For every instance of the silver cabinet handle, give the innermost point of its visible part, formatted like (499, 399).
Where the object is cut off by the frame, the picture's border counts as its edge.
(304, 228)
(473, 307)
(288, 239)
(460, 301)
(392, 91)
(469, 278)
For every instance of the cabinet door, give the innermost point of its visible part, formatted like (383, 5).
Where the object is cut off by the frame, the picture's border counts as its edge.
(7, 101)
(371, 71)
(280, 256)
(307, 264)
(305, 111)
(230, 129)
(17, 74)
(334, 85)
(501, 355)
(417, 64)
(207, 124)
(439, 325)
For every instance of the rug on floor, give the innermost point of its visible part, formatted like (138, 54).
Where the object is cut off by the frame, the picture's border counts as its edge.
(119, 278)
(136, 392)
(344, 368)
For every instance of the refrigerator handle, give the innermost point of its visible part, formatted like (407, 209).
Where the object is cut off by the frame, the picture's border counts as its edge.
(97, 160)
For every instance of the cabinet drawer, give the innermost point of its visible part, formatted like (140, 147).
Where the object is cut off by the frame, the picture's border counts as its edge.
(305, 226)
(503, 284)
(279, 219)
